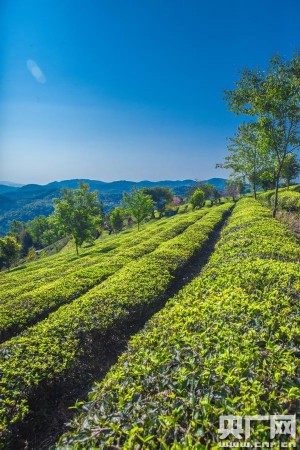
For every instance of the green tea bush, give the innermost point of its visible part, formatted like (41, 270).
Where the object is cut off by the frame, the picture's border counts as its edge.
(18, 310)
(51, 349)
(49, 268)
(227, 344)
(287, 199)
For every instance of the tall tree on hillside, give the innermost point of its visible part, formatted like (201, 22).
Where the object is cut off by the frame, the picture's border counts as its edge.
(161, 196)
(197, 199)
(9, 250)
(116, 218)
(25, 241)
(209, 190)
(38, 227)
(246, 154)
(233, 189)
(139, 205)
(290, 169)
(79, 213)
(273, 97)
(16, 228)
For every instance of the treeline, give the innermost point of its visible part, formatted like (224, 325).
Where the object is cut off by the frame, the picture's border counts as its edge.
(79, 215)
(263, 151)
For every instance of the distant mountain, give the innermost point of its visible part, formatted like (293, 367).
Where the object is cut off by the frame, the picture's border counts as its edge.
(10, 183)
(26, 202)
(118, 186)
(219, 183)
(5, 188)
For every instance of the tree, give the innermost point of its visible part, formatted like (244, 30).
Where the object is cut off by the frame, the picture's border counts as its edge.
(161, 196)
(209, 190)
(247, 157)
(116, 218)
(16, 228)
(290, 169)
(52, 233)
(9, 250)
(233, 189)
(31, 255)
(38, 227)
(197, 199)
(78, 213)
(138, 204)
(25, 241)
(272, 96)
(177, 201)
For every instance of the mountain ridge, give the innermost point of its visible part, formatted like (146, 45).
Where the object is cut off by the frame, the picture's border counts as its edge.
(28, 201)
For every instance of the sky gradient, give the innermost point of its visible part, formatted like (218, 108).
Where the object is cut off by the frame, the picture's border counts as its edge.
(127, 89)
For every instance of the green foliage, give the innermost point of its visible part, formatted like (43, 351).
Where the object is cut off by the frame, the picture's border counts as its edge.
(233, 189)
(26, 242)
(227, 344)
(290, 168)
(287, 200)
(139, 205)
(44, 231)
(16, 228)
(9, 250)
(247, 157)
(116, 218)
(45, 352)
(161, 196)
(31, 255)
(272, 96)
(210, 192)
(27, 302)
(197, 199)
(79, 213)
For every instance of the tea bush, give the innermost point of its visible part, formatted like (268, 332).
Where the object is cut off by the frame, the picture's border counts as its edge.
(227, 344)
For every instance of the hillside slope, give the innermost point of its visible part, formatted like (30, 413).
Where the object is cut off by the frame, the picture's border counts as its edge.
(26, 202)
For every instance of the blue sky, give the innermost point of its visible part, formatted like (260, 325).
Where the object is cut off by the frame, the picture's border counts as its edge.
(128, 89)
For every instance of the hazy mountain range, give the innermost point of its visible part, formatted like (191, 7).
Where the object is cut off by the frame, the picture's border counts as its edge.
(25, 202)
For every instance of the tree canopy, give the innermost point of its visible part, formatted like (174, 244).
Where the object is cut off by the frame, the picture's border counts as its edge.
(9, 250)
(197, 199)
(247, 157)
(290, 168)
(161, 196)
(139, 205)
(116, 218)
(79, 213)
(272, 97)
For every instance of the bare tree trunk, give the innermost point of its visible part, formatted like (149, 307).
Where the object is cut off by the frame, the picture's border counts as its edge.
(254, 190)
(276, 197)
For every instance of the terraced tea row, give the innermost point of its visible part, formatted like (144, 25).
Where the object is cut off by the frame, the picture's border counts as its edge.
(49, 268)
(34, 276)
(52, 349)
(101, 246)
(287, 199)
(19, 311)
(226, 345)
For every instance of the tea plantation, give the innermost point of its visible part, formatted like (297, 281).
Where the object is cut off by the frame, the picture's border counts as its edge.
(72, 304)
(227, 344)
(223, 343)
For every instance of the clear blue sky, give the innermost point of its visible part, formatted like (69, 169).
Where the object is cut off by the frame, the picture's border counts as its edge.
(126, 89)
